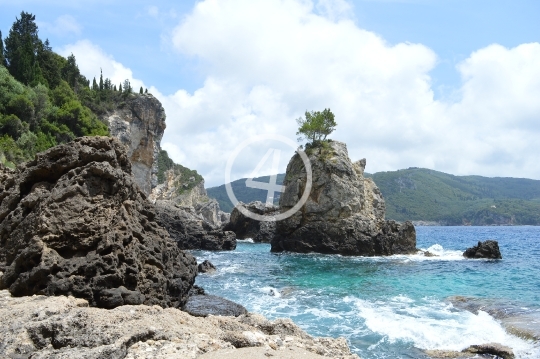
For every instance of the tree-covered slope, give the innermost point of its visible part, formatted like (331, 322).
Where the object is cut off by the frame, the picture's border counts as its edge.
(44, 99)
(419, 194)
(426, 195)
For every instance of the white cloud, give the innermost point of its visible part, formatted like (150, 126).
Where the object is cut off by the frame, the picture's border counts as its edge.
(265, 63)
(62, 26)
(91, 59)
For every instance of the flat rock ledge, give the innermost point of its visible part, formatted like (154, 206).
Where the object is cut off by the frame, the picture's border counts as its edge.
(67, 328)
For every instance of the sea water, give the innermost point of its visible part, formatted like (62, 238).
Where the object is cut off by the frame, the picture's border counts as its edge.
(391, 307)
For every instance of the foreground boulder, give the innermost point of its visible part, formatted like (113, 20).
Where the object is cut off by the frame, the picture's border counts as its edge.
(205, 305)
(190, 231)
(74, 222)
(344, 212)
(65, 327)
(245, 227)
(487, 249)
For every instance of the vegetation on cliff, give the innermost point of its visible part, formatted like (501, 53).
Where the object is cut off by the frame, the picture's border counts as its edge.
(185, 178)
(44, 99)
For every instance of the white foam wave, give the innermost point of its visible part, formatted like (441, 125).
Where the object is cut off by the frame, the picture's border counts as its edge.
(272, 292)
(431, 324)
(322, 313)
(247, 240)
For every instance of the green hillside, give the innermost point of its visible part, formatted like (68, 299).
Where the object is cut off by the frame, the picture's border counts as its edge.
(427, 195)
(242, 192)
(419, 194)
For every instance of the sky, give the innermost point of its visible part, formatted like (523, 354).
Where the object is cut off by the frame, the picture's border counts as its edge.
(449, 85)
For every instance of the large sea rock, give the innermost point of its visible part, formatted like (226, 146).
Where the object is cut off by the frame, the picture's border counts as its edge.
(344, 212)
(488, 249)
(74, 222)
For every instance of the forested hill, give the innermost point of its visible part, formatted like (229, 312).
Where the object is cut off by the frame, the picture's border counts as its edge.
(419, 194)
(44, 99)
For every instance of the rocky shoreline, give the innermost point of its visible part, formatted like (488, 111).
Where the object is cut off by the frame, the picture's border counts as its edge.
(67, 327)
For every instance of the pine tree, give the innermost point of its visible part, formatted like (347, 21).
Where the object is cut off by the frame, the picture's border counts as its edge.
(141, 90)
(21, 47)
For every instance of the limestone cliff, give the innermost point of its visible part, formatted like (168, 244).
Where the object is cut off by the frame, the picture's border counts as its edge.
(344, 212)
(139, 124)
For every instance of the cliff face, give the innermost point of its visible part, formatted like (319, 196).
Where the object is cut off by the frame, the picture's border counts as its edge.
(344, 212)
(139, 124)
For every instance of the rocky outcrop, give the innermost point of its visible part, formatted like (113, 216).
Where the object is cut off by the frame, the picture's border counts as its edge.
(74, 222)
(184, 190)
(139, 124)
(487, 249)
(206, 267)
(344, 212)
(205, 305)
(190, 230)
(246, 227)
(495, 350)
(65, 327)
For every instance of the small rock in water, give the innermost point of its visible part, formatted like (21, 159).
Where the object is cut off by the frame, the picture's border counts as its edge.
(429, 254)
(206, 267)
(487, 249)
(493, 349)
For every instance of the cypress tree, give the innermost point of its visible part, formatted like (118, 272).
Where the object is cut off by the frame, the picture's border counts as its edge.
(101, 80)
(2, 61)
(146, 90)
(141, 90)
(115, 88)
(120, 87)
(94, 85)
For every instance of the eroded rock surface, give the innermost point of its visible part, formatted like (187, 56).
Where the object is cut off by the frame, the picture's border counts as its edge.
(65, 327)
(487, 249)
(190, 230)
(139, 124)
(74, 222)
(246, 227)
(344, 212)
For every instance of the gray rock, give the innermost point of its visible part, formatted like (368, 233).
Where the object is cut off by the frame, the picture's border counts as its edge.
(487, 249)
(206, 267)
(139, 124)
(190, 231)
(344, 212)
(496, 349)
(205, 305)
(74, 222)
(245, 227)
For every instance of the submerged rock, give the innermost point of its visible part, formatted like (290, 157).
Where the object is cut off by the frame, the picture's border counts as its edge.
(344, 212)
(190, 231)
(487, 249)
(245, 227)
(74, 222)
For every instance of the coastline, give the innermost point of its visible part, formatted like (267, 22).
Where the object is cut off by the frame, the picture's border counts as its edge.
(66, 327)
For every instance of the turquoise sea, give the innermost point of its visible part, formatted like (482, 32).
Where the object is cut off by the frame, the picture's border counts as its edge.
(397, 306)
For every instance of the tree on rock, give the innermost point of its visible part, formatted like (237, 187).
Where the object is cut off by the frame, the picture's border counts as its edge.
(316, 126)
